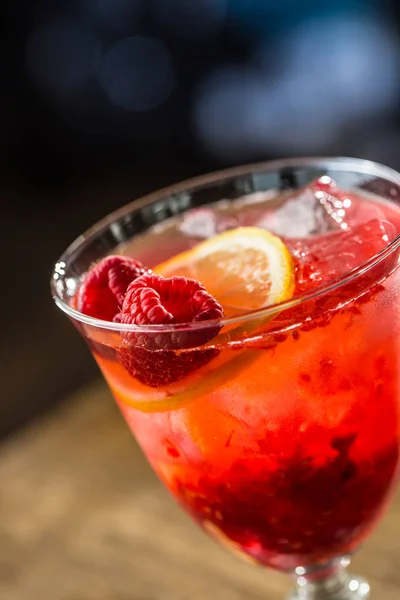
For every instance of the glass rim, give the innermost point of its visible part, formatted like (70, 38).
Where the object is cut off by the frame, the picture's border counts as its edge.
(340, 163)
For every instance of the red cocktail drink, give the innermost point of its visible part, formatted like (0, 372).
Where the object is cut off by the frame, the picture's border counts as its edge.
(255, 358)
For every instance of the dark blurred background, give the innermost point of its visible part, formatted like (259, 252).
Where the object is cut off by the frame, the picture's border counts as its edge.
(105, 100)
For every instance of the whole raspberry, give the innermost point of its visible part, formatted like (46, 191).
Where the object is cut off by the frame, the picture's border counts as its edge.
(155, 300)
(103, 289)
(160, 358)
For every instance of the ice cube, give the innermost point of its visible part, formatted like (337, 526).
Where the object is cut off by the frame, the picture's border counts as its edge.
(200, 223)
(225, 222)
(203, 223)
(318, 208)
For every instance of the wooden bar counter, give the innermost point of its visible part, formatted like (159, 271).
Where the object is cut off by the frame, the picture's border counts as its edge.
(83, 517)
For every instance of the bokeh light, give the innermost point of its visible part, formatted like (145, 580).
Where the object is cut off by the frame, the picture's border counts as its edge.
(257, 19)
(249, 78)
(355, 59)
(137, 73)
(62, 55)
(331, 72)
(222, 112)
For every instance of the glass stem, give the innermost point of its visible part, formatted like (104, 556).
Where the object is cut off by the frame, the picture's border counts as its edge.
(328, 582)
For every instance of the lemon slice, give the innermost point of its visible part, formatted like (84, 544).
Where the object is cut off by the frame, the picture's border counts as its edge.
(245, 269)
(178, 395)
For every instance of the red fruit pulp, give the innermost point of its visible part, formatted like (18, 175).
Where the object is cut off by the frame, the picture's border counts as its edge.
(324, 258)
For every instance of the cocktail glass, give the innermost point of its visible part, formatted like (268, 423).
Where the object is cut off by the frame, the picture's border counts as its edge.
(284, 447)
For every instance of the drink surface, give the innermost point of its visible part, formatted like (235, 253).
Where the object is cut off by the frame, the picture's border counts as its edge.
(285, 445)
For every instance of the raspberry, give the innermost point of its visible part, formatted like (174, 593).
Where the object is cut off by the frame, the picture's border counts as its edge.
(156, 368)
(155, 300)
(159, 358)
(102, 292)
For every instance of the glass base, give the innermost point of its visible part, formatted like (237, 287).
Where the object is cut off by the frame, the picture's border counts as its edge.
(333, 583)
